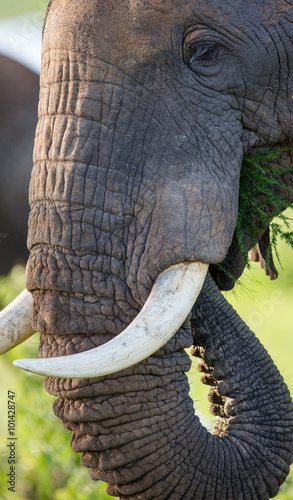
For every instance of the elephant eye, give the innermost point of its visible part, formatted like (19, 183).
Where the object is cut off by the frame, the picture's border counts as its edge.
(201, 53)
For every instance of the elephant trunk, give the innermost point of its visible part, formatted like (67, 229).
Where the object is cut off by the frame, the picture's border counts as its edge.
(119, 190)
(249, 397)
(137, 430)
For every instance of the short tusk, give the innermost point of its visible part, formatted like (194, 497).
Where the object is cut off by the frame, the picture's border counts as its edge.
(15, 322)
(170, 301)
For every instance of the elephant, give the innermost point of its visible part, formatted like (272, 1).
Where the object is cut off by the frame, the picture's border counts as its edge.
(19, 90)
(146, 111)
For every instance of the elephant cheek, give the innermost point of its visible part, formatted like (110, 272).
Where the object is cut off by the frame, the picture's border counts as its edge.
(188, 223)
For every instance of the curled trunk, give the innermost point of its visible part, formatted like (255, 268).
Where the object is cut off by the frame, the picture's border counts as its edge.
(137, 430)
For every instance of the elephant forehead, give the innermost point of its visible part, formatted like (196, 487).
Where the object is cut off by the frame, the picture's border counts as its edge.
(129, 23)
(231, 15)
(112, 18)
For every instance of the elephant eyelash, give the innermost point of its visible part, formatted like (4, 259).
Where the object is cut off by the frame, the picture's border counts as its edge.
(201, 54)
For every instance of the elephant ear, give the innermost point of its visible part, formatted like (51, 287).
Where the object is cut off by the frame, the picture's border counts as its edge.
(262, 253)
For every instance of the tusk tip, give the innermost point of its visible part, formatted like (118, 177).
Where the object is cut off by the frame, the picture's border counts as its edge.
(47, 367)
(25, 364)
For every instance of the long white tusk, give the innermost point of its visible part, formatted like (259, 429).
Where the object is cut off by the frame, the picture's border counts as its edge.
(15, 322)
(170, 301)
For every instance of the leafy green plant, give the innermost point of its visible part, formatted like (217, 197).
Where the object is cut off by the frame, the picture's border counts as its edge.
(261, 186)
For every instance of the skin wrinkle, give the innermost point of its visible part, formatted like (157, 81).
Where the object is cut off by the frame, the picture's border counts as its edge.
(224, 33)
(260, 457)
(133, 433)
(46, 113)
(131, 420)
(229, 469)
(286, 85)
(148, 444)
(280, 66)
(248, 480)
(148, 481)
(140, 420)
(87, 65)
(189, 123)
(258, 102)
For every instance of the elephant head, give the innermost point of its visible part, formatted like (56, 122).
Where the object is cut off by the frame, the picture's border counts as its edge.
(146, 110)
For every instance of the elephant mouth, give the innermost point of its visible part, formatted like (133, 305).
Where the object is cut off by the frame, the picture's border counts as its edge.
(172, 297)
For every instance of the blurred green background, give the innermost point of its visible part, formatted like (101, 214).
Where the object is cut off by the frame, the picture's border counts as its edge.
(46, 467)
(17, 7)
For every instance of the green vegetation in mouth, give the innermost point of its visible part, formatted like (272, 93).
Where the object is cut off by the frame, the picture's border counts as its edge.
(261, 201)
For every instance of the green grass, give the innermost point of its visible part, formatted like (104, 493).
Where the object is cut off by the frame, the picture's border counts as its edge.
(260, 183)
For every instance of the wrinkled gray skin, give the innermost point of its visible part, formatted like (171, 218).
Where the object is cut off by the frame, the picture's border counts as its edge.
(146, 109)
(19, 90)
